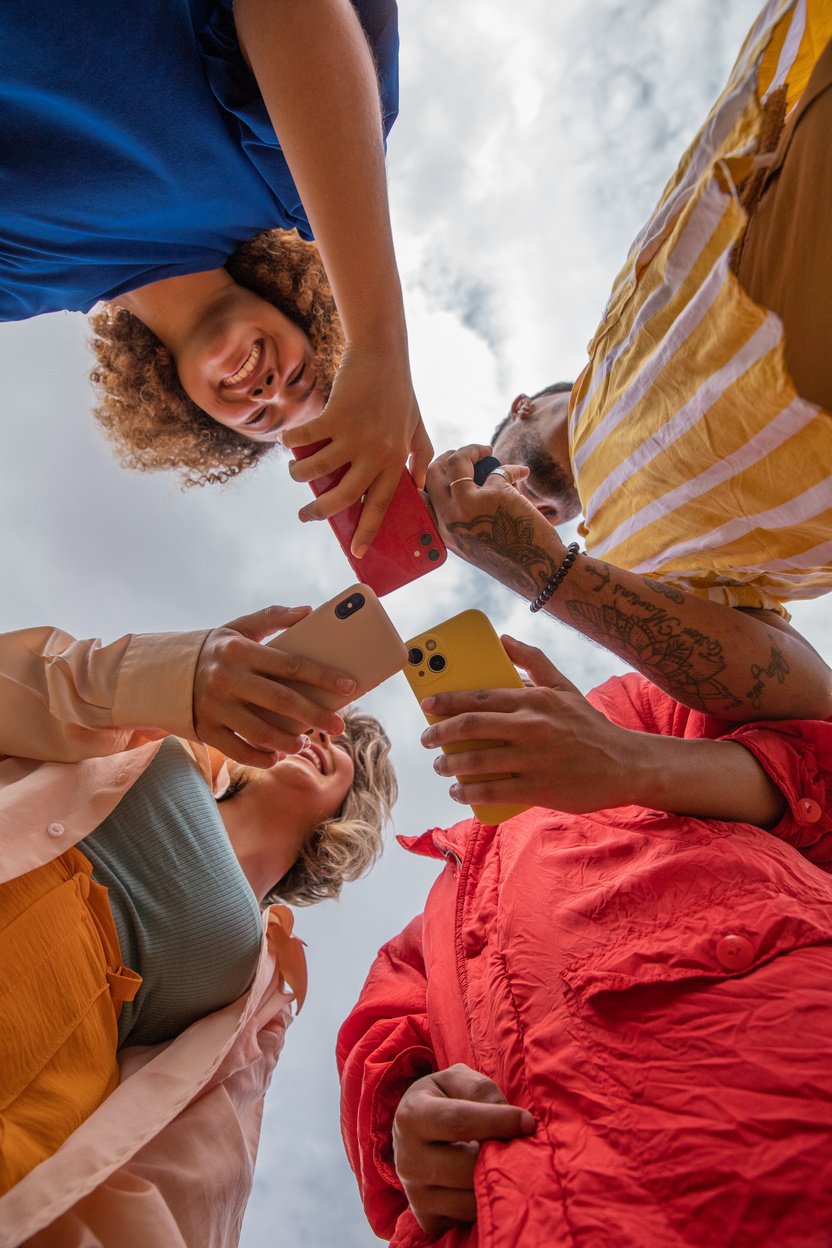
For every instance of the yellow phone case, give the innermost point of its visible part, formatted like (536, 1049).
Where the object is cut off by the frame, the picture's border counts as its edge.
(463, 653)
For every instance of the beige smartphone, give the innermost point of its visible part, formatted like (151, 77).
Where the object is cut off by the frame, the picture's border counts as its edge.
(460, 654)
(352, 632)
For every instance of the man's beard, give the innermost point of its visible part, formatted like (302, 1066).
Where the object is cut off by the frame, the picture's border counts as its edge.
(547, 477)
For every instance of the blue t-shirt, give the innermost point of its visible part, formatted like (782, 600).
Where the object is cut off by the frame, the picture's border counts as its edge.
(135, 145)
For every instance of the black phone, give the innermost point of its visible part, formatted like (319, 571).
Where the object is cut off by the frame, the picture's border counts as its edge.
(484, 469)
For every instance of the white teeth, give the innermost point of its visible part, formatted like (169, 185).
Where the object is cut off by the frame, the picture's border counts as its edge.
(313, 758)
(247, 368)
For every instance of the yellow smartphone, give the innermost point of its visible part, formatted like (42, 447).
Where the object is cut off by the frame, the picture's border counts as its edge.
(459, 654)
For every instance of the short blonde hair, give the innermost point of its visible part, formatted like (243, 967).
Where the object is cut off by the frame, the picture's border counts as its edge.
(141, 404)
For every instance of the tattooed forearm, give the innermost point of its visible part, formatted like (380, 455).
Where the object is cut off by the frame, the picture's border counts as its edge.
(683, 661)
(777, 669)
(505, 546)
(667, 591)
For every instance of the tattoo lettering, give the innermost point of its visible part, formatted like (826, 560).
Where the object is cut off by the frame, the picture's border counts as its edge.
(777, 669)
(684, 661)
(669, 591)
(505, 547)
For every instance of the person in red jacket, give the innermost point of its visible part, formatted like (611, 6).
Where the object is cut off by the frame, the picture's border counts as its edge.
(610, 1026)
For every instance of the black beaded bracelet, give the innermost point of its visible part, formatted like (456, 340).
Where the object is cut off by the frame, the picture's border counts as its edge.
(572, 552)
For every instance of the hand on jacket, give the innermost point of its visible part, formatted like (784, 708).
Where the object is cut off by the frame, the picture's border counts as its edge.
(373, 423)
(238, 683)
(437, 1130)
(547, 745)
(493, 526)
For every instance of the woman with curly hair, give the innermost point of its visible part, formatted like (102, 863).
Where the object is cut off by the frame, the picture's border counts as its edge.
(144, 159)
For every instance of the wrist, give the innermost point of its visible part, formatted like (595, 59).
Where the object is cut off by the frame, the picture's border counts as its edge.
(641, 773)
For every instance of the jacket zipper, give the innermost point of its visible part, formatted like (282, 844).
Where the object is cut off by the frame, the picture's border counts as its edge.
(461, 963)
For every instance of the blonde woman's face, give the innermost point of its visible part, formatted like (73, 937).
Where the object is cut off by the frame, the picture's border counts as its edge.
(314, 781)
(250, 367)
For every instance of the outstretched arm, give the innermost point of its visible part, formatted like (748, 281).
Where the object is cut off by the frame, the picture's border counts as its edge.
(316, 73)
(737, 665)
(63, 700)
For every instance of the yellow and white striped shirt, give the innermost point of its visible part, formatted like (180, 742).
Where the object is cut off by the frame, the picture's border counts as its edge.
(695, 459)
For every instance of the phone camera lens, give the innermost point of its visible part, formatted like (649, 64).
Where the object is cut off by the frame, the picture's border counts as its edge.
(430, 644)
(426, 539)
(437, 663)
(349, 606)
(414, 656)
(433, 555)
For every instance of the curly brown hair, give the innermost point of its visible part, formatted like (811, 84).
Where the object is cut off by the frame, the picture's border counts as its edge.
(142, 406)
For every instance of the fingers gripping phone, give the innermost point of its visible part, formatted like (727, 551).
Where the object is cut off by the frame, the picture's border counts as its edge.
(460, 654)
(406, 546)
(353, 632)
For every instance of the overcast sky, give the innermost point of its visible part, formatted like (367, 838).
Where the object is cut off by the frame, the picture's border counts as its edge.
(524, 161)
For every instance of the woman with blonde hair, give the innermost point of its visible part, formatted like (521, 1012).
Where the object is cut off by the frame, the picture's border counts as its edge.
(146, 149)
(143, 994)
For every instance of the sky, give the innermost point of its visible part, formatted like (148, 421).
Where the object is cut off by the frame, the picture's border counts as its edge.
(532, 143)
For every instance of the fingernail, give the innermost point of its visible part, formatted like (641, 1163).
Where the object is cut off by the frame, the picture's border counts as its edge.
(337, 726)
(455, 790)
(426, 739)
(437, 766)
(359, 551)
(528, 1123)
(304, 516)
(345, 683)
(428, 704)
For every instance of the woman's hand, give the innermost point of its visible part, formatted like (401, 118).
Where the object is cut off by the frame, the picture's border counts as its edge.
(238, 684)
(373, 424)
(493, 526)
(436, 1133)
(547, 745)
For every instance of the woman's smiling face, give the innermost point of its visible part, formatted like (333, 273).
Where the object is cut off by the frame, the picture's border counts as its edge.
(250, 367)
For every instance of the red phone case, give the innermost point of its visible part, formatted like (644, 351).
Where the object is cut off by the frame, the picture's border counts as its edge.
(407, 545)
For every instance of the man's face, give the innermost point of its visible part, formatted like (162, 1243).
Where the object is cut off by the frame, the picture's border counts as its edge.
(536, 435)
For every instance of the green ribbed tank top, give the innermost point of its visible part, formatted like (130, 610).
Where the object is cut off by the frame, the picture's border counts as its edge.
(187, 919)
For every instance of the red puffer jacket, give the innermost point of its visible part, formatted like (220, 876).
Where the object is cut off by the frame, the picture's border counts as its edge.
(656, 990)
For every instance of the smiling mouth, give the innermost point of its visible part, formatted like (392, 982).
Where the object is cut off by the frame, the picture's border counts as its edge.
(314, 754)
(246, 370)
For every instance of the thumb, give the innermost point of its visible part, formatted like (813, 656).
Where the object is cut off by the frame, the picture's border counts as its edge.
(541, 670)
(268, 620)
(421, 453)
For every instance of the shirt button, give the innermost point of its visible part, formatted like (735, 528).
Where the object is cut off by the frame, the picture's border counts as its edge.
(734, 953)
(808, 810)
(56, 830)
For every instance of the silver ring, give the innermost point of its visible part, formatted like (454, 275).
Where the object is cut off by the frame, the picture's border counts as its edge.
(504, 473)
(457, 481)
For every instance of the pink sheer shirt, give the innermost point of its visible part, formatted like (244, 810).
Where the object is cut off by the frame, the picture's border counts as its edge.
(169, 1157)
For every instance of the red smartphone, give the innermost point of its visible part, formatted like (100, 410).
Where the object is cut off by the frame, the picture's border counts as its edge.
(406, 546)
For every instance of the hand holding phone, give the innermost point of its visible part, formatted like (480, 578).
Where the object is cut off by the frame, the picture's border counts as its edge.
(353, 631)
(461, 654)
(406, 546)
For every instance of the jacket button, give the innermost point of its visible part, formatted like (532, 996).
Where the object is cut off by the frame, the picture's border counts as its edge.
(808, 810)
(734, 953)
(473, 942)
(56, 830)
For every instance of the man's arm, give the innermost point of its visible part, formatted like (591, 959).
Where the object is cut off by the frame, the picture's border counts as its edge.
(737, 665)
(63, 700)
(549, 746)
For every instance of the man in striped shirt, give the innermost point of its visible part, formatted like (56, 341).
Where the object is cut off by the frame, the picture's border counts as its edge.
(697, 441)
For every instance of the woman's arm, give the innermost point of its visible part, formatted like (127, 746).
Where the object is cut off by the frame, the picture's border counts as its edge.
(62, 700)
(316, 73)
